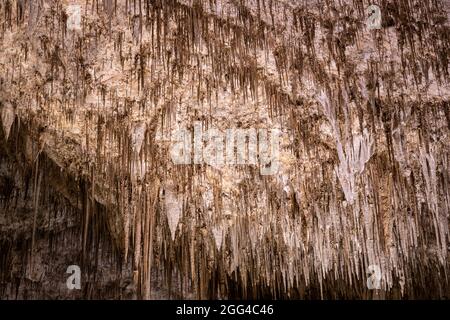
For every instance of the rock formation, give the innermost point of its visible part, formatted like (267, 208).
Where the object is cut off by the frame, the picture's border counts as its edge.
(94, 93)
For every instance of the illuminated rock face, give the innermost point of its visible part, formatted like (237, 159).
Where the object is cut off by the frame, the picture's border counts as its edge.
(93, 95)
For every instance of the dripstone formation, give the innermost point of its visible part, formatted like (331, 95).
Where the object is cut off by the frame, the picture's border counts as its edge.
(94, 92)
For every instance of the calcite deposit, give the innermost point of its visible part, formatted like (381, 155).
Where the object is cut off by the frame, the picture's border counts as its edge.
(94, 94)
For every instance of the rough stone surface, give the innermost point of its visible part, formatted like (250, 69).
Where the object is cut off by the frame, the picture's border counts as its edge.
(89, 115)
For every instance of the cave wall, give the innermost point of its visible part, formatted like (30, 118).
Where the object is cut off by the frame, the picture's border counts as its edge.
(42, 228)
(89, 114)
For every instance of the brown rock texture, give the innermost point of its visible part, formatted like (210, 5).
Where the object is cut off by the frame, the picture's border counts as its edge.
(90, 113)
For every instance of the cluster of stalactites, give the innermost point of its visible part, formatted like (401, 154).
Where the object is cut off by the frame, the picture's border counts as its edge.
(358, 200)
